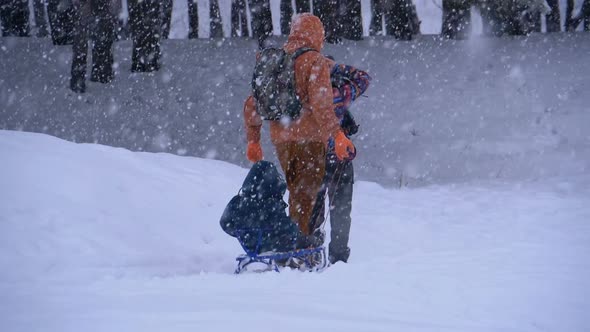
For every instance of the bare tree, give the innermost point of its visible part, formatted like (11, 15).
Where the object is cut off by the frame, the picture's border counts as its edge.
(327, 11)
(398, 16)
(193, 19)
(40, 20)
(511, 17)
(350, 19)
(401, 19)
(145, 21)
(61, 21)
(553, 18)
(456, 18)
(301, 6)
(216, 28)
(377, 13)
(14, 16)
(569, 15)
(582, 17)
(166, 17)
(261, 20)
(239, 19)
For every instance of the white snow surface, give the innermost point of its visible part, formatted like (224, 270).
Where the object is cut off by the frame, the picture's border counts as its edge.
(96, 238)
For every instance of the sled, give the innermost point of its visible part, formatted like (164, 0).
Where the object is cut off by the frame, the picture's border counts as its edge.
(313, 259)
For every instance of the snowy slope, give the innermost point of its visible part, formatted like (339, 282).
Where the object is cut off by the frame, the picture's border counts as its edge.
(438, 111)
(95, 238)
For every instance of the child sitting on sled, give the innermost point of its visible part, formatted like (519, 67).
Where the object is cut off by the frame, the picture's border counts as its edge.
(256, 215)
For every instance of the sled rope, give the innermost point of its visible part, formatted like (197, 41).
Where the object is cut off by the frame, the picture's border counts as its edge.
(330, 195)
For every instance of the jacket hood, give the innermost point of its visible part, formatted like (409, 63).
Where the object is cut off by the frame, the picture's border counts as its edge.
(264, 181)
(306, 31)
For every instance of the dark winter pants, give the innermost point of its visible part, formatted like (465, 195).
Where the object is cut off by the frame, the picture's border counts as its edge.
(98, 16)
(304, 168)
(338, 183)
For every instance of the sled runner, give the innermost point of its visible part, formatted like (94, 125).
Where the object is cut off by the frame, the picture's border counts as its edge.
(313, 259)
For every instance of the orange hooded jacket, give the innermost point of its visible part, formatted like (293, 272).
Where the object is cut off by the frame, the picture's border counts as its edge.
(317, 121)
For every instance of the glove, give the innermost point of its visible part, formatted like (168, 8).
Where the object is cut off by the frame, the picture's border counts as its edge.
(343, 147)
(254, 152)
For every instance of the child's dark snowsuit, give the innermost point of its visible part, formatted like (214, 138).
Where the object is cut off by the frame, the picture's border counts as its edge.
(259, 206)
(348, 84)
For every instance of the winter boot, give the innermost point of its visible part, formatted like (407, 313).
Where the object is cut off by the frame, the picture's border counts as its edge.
(335, 257)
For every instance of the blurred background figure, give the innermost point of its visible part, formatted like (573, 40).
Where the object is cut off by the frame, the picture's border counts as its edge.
(95, 21)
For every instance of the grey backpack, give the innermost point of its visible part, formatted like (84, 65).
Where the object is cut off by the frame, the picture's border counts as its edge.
(273, 84)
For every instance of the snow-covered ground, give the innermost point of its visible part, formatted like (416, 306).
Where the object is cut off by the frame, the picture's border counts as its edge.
(96, 238)
(476, 216)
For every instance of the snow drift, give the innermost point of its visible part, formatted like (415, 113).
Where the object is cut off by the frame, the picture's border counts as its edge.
(97, 238)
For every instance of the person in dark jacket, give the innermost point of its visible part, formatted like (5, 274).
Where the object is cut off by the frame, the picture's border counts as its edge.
(257, 216)
(348, 84)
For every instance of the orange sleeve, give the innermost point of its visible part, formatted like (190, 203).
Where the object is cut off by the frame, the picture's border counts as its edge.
(321, 96)
(252, 121)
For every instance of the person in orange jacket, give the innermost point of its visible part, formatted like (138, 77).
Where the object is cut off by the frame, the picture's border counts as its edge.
(301, 144)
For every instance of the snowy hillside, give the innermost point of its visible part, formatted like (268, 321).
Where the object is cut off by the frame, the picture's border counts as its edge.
(95, 238)
(438, 111)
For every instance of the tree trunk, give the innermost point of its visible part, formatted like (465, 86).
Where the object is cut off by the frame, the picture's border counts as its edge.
(351, 20)
(327, 11)
(456, 19)
(377, 12)
(61, 21)
(569, 15)
(103, 38)
(261, 20)
(82, 19)
(193, 19)
(40, 20)
(166, 17)
(286, 15)
(585, 14)
(582, 17)
(553, 19)
(144, 18)
(287, 11)
(239, 20)
(215, 26)
(14, 16)
(303, 6)
(401, 20)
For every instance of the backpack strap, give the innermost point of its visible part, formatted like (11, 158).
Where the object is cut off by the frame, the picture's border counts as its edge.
(300, 51)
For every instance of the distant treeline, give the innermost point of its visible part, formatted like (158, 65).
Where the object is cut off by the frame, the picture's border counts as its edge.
(342, 18)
